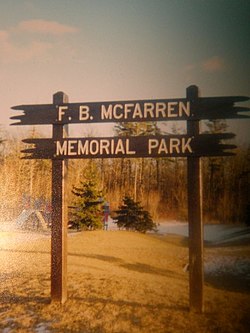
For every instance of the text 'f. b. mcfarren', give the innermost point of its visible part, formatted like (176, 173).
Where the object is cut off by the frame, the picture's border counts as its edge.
(124, 111)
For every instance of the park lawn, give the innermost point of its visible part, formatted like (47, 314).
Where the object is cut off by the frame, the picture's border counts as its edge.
(118, 282)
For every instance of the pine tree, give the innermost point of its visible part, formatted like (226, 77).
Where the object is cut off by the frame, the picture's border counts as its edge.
(131, 216)
(86, 212)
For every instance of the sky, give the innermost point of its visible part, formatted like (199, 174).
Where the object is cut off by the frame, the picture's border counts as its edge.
(109, 50)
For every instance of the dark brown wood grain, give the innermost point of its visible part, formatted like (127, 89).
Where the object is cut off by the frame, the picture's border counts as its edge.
(59, 220)
(137, 111)
(195, 222)
(131, 147)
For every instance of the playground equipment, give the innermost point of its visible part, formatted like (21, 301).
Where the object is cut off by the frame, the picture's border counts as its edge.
(31, 219)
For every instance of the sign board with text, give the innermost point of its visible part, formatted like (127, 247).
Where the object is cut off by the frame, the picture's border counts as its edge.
(192, 145)
(131, 147)
(131, 111)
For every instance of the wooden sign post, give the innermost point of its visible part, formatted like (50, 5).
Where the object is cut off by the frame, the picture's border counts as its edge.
(192, 145)
(195, 223)
(59, 217)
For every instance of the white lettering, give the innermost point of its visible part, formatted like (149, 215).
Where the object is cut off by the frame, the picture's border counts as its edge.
(185, 147)
(169, 146)
(163, 147)
(152, 144)
(157, 110)
(122, 146)
(106, 113)
(137, 111)
(119, 147)
(148, 108)
(112, 147)
(61, 112)
(127, 109)
(94, 147)
(160, 110)
(128, 151)
(84, 112)
(171, 109)
(117, 107)
(83, 149)
(184, 109)
(71, 147)
(104, 146)
(61, 149)
(174, 143)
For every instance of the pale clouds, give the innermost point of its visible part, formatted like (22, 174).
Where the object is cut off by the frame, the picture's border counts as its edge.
(3, 36)
(213, 64)
(31, 40)
(45, 27)
(13, 53)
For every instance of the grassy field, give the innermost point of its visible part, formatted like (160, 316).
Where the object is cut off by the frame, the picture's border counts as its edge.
(117, 282)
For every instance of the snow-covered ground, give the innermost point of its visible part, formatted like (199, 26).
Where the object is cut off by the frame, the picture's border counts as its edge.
(218, 264)
(232, 265)
(214, 233)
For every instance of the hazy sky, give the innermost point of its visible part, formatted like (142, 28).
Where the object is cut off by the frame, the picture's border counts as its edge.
(97, 50)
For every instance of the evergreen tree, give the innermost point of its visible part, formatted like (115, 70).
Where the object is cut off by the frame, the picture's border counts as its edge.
(131, 216)
(86, 212)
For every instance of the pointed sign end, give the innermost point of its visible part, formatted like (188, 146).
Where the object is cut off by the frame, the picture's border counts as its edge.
(17, 107)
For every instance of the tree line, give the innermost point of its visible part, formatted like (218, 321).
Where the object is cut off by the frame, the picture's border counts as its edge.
(160, 185)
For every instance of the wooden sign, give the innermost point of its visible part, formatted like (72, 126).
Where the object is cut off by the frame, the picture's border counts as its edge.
(130, 147)
(193, 145)
(120, 111)
(131, 111)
